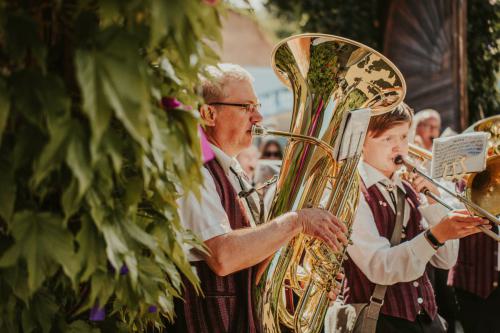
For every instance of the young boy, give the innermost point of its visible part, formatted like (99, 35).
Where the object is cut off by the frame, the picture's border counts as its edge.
(428, 234)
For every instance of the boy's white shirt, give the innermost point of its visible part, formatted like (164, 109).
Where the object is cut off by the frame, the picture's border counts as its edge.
(373, 254)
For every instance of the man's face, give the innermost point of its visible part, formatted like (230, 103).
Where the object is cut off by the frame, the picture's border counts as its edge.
(233, 124)
(428, 130)
(381, 151)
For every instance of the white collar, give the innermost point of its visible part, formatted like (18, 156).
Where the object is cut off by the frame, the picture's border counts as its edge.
(371, 176)
(227, 162)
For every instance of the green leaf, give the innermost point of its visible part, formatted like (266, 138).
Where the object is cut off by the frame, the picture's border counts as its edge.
(116, 244)
(40, 313)
(159, 21)
(42, 242)
(80, 326)
(70, 199)
(78, 159)
(102, 286)
(91, 249)
(7, 191)
(4, 107)
(16, 277)
(94, 102)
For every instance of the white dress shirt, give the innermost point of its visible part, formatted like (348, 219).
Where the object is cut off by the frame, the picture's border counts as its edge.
(373, 254)
(206, 217)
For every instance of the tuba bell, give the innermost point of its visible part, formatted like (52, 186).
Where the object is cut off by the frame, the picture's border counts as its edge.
(329, 76)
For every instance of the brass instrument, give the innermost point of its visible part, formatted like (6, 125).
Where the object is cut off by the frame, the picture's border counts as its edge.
(469, 201)
(483, 187)
(329, 76)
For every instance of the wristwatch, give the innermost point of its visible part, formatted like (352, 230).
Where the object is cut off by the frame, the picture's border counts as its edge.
(432, 239)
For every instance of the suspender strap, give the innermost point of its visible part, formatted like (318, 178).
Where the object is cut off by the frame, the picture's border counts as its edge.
(378, 295)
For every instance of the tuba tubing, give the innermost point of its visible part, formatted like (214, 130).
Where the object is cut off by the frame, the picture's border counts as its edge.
(329, 76)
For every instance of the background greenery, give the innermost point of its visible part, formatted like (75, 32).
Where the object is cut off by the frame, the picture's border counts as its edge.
(361, 21)
(94, 145)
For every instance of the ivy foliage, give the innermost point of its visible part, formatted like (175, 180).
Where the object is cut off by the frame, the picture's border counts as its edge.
(94, 146)
(361, 21)
(483, 58)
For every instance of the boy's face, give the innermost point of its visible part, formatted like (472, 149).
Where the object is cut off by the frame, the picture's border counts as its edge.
(380, 152)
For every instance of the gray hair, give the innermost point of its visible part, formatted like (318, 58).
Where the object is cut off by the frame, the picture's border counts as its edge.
(217, 77)
(419, 117)
(425, 114)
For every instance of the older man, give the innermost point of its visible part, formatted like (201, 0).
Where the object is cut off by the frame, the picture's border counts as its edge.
(427, 127)
(229, 225)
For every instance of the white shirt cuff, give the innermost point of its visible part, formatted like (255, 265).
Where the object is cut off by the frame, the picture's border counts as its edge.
(434, 213)
(421, 248)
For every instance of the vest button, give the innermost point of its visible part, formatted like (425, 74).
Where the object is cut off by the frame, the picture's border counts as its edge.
(495, 284)
(415, 284)
(420, 300)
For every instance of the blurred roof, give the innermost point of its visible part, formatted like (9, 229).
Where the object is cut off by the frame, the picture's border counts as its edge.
(244, 42)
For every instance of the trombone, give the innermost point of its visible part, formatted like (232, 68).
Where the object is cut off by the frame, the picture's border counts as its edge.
(424, 154)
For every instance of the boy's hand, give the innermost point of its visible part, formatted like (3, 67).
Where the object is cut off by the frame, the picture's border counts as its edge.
(458, 224)
(419, 183)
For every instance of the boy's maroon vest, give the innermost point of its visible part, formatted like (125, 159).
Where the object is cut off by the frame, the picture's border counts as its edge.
(476, 270)
(401, 299)
(227, 304)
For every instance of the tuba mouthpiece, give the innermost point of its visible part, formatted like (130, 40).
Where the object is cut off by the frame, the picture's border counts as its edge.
(258, 130)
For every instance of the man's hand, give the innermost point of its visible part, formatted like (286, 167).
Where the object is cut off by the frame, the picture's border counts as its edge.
(458, 224)
(323, 225)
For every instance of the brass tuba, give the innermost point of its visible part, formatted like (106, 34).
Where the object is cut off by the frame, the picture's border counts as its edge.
(330, 76)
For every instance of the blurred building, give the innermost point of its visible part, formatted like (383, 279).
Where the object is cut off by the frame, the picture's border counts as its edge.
(246, 44)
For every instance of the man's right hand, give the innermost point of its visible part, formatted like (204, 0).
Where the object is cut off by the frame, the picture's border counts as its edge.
(323, 225)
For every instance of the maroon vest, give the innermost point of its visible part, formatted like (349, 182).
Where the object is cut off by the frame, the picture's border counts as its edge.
(476, 270)
(401, 299)
(227, 304)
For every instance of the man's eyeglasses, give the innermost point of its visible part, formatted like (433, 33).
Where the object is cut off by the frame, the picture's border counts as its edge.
(248, 107)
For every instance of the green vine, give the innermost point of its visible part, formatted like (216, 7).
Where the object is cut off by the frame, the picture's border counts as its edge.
(97, 135)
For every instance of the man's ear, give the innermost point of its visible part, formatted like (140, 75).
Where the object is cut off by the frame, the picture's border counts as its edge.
(208, 115)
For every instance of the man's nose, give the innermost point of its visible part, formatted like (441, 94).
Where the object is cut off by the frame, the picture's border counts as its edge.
(257, 117)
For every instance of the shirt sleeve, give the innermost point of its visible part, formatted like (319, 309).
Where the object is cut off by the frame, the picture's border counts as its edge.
(381, 263)
(206, 217)
(446, 256)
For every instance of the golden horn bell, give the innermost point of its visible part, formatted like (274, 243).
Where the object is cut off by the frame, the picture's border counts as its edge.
(329, 77)
(483, 188)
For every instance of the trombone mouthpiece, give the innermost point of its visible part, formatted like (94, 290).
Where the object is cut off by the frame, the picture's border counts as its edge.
(398, 160)
(258, 130)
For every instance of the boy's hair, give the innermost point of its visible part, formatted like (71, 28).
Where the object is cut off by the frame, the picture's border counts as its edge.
(381, 123)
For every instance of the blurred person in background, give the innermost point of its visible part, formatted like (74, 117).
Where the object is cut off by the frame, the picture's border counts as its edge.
(427, 125)
(271, 150)
(248, 159)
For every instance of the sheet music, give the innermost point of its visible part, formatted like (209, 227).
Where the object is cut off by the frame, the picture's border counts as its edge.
(459, 154)
(352, 133)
